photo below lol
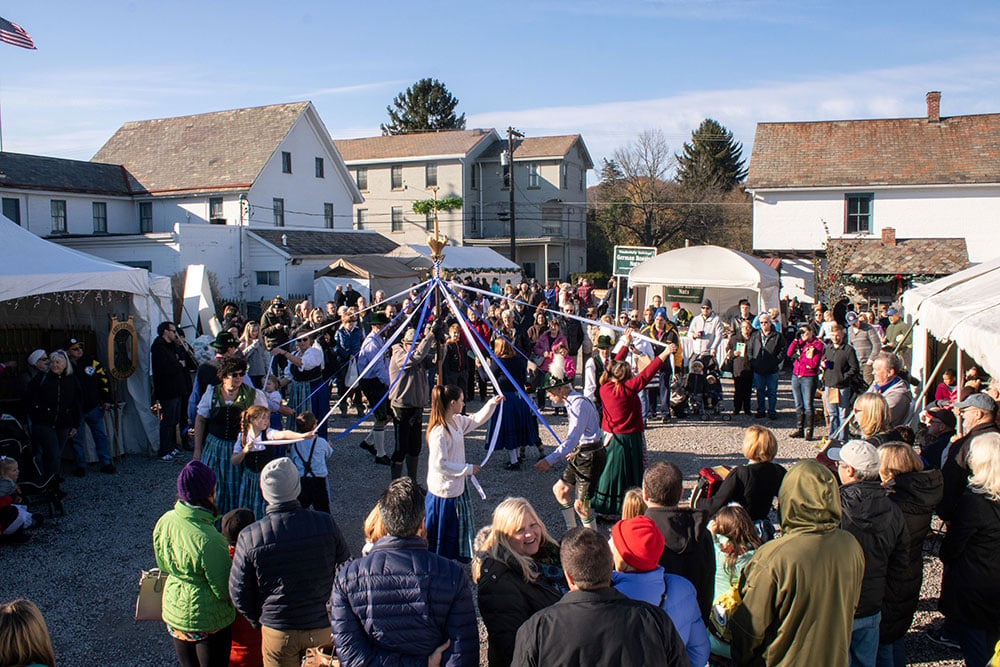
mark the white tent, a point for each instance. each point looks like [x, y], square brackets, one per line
[963, 307]
[36, 277]
[458, 259]
[724, 275]
[377, 272]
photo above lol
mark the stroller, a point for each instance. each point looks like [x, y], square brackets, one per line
[35, 489]
[704, 388]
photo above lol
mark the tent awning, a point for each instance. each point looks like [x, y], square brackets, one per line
[462, 258]
[371, 266]
[705, 266]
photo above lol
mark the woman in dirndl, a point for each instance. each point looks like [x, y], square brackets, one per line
[623, 425]
[449, 515]
[309, 391]
[217, 426]
[518, 426]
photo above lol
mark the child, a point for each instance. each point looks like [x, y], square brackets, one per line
[251, 451]
[633, 505]
[564, 366]
[449, 515]
[735, 539]
[14, 517]
[947, 390]
[246, 647]
[310, 460]
[374, 530]
[272, 389]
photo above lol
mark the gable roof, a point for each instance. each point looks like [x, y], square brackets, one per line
[535, 148]
[317, 242]
[456, 143]
[222, 150]
[920, 257]
[37, 172]
[859, 153]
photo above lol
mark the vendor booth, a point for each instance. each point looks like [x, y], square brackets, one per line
[690, 275]
[46, 289]
[370, 272]
[460, 261]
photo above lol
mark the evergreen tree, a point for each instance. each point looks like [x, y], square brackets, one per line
[713, 159]
[425, 106]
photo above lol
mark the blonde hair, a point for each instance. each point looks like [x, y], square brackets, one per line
[633, 505]
[872, 414]
[759, 444]
[251, 413]
[374, 528]
[984, 462]
[8, 464]
[507, 520]
[24, 639]
[897, 458]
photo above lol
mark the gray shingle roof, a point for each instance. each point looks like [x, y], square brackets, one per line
[37, 172]
[220, 150]
[533, 148]
[909, 257]
[445, 142]
[302, 243]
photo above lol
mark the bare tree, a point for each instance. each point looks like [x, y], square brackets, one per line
[646, 188]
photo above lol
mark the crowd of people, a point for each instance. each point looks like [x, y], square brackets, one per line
[260, 571]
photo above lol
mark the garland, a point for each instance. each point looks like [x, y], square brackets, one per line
[426, 206]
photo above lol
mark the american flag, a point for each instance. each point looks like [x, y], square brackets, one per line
[12, 33]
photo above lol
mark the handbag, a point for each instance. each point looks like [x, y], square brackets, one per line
[320, 656]
[351, 376]
[149, 604]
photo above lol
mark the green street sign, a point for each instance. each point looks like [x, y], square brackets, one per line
[684, 294]
[627, 257]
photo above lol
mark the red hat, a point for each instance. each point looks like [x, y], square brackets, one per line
[639, 542]
[675, 304]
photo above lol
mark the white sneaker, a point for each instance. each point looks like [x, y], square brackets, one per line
[175, 453]
[167, 457]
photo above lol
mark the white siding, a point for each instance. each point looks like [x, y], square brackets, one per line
[36, 212]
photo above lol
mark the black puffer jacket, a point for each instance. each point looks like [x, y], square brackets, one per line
[970, 587]
[506, 601]
[878, 525]
[766, 352]
[284, 565]
[689, 550]
[916, 494]
[55, 400]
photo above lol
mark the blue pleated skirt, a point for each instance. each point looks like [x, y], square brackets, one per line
[450, 525]
[217, 455]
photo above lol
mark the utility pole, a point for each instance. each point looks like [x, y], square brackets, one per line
[511, 133]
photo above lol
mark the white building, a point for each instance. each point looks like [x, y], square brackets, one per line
[925, 178]
[550, 178]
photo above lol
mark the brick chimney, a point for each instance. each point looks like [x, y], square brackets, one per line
[889, 236]
[934, 106]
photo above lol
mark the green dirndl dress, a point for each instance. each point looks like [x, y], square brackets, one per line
[622, 471]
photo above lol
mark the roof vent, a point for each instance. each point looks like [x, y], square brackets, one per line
[889, 236]
[284, 240]
[934, 107]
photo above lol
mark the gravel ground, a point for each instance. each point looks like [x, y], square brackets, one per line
[82, 569]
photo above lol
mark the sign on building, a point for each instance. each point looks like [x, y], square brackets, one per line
[628, 257]
[684, 294]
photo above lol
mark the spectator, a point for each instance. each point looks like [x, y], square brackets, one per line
[898, 335]
[408, 398]
[978, 414]
[871, 412]
[689, 551]
[934, 433]
[374, 370]
[94, 400]
[755, 485]
[705, 332]
[169, 386]
[806, 353]
[947, 389]
[517, 572]
[866, 343]
[401, 603]
[735, 540]
[840, 365]
[742, 371]
[618, 631]
[970, 587]
[282, 568]
[892, 387]
[665, 335]
[543, 353]
[744, 314]
[810, 578]
[878, 525]
[196, 606]
[252, 348]
[54, 405]
[246, 646]
[349, 338]
[916, 492]
[681, 317]
[636, 547]
[24, 639]
[275, 327]
[766, 350]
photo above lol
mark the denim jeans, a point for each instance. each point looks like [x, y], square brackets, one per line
[766, 385]
[864, 640]
[95, 420]
[665, 377]
[840, 415]
[892, 655]
[804, 393]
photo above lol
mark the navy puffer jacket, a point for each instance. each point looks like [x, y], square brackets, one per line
[399, 603]
[284, 565]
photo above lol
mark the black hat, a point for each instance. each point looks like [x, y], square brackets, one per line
[552, 381]
[224, 341]
[71, 343]
[277, 301]
[378, 319]
[604, 343]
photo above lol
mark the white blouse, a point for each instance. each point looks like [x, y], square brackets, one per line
[446, 466]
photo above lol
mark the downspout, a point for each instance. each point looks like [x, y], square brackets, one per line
[244, 209]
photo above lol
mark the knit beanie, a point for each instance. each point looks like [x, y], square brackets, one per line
[35, 356]
[639, 542]
[279, 481]
[196, 482]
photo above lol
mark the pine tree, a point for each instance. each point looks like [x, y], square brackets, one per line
[713, 159]
[425, 106]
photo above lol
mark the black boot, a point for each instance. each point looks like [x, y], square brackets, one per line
[397, 469]
[798, 432]
[411, 466]
[809, 426]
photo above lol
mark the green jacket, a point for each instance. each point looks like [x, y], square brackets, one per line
[800, 590]
[899, 330]
[196, 556]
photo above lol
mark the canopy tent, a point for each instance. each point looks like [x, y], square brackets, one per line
[458, 259]
[963, 307]
[376, 271]
[35, 277]
[725, 276]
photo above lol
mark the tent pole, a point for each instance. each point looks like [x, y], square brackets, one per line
[960, 383]
[930, 378]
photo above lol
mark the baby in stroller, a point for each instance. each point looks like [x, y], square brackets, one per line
[704, 387]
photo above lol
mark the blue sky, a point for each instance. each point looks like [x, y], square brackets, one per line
[607, 69]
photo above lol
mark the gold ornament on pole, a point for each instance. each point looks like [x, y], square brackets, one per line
[438, 241]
